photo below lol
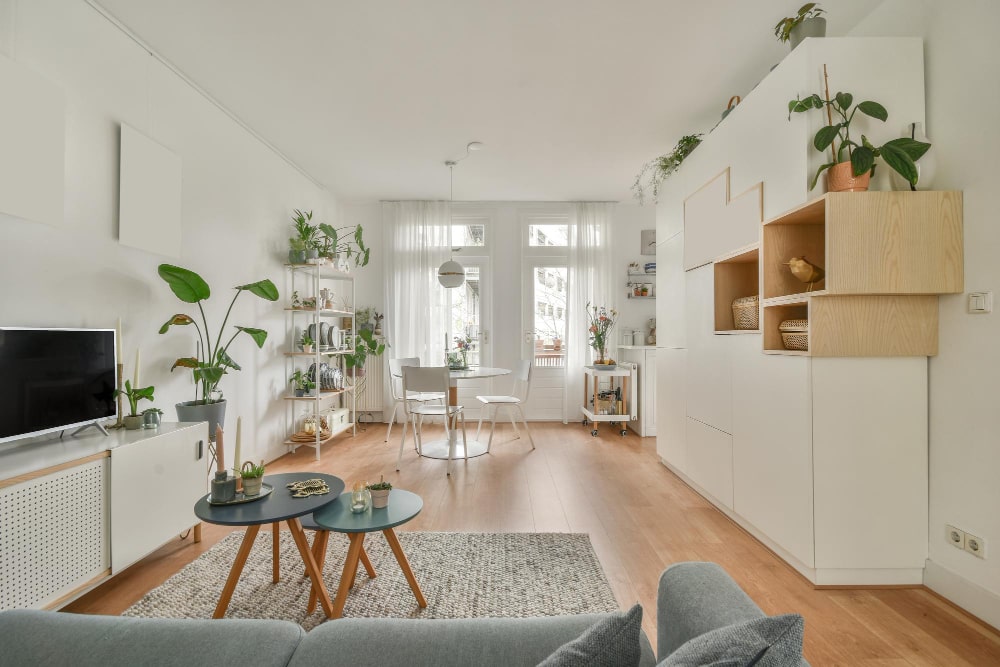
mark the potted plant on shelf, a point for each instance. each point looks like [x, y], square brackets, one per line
[341, 248]
[364, 345]
[662, 167]
[363, 316]
[252, 476]
[302, 382]
[378, 317]
[602, 321]
[380, 493]
[133, 421]
[807, 22]
[306, 235]
[212, 360]
[306, 342]
[853, 164]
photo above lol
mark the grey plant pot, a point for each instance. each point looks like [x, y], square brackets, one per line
[299, 393]
[296, 256]
[312, 253]
[814, 27]
[213, 413]
[132, 422]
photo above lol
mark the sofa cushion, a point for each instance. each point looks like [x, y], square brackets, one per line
[611, 642]
[31, 637]
[772, 641]
[484, 642]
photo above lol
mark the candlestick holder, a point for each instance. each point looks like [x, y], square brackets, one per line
[120, 423]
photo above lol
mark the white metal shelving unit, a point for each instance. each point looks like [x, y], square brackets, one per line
[314, 276]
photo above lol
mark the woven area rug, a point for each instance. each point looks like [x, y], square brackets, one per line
[462, 575]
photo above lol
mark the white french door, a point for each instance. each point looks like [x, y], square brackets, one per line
[469, 308]
[544, 292]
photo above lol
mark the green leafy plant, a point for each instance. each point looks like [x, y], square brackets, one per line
[334, 241]
[156, 410]
[783, 30]
[364, 345]
[900, 154]
[363, 316]
[658, 169]
[306, 234]
[380, 485]
[302, 381]
[134, 395]
[251, 470]
[306, 339]
[212, 360]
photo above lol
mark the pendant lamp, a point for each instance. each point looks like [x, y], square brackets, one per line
[451, 274]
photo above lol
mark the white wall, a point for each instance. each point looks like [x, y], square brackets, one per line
[237, 198]
[961, 62]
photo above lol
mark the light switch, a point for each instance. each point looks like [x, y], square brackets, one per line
[980, 303]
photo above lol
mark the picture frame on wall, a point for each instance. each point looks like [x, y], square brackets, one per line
[648, 242]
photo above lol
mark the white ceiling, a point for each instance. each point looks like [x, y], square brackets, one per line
[569, 96]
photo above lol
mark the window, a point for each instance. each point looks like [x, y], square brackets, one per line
[548, 235]
[468, 235]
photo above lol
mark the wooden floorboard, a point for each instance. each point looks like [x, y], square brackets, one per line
[640, 517]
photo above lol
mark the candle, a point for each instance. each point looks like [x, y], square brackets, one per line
[135, 378]
[220, 452]
[118, 341]
[236, 450]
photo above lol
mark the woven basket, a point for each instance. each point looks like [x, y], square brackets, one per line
[746, 312]
[795, 334]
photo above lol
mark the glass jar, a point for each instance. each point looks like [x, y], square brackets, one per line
[361, 498]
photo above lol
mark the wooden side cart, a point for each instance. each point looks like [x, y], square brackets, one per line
[615, 402]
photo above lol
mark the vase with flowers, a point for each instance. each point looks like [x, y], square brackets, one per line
[463, 344]
[602, 321]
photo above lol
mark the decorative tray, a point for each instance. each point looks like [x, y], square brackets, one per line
[604, 367]
[265, 491]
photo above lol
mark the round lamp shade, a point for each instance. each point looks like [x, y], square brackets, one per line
[451, 274]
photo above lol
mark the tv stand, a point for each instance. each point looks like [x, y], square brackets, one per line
[98, 425]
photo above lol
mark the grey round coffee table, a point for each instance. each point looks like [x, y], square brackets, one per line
[337, 517]
[275, 508]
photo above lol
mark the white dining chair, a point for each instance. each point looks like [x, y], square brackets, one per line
[396, 387]
[522, 385]
[426, 380]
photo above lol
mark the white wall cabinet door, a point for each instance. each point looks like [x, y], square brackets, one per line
[710, 460]
[671, 406]
[648, 415]
[709, 377]
[154, 486]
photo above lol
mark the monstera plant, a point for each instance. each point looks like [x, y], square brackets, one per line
[212, 360]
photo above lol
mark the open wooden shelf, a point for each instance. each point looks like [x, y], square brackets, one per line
[323, 312]
[736, 275]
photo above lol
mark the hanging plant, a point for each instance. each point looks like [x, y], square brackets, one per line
[657, 170]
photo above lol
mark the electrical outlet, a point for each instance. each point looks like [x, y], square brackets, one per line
[954, 536]
[975, 545]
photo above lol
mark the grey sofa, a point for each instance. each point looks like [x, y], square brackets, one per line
[693, 598]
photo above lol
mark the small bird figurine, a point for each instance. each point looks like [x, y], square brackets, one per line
[805, 271]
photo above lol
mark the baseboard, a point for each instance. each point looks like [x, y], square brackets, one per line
[972, 598]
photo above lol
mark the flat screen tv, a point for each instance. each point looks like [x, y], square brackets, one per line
[55, 379]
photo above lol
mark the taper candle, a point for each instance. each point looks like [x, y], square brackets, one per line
[220, 451]
[135, 377]
[236, 450]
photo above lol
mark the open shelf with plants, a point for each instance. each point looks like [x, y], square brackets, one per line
[641, 285]
[737, 275]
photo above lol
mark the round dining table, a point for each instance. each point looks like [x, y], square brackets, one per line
[438, 449]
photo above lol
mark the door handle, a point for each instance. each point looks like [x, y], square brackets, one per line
[200, 450]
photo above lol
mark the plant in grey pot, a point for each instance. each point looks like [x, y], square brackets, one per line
[306, 234]
[380, 493]
[807, 22]
[252, 476]
[151, 417]
[296, 251]
[133, 420]
[302, 383]
[212, 361]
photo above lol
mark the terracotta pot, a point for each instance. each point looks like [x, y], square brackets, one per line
[841, 178]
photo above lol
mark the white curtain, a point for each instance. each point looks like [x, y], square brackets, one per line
[416, 240]
[591, 279]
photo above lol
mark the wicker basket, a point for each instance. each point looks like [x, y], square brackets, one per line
[795, 334]
[746, 312]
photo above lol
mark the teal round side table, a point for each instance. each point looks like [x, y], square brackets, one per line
[337, 517]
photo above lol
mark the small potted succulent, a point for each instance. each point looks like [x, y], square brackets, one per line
[307, 343]
[380, 493]
[133, 421]
[302, 382]
[807, 22]
[252, 476]
[151, 417]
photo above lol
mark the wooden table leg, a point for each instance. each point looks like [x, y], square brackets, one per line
[354, 566]
[319, 554]
[314, 574]
[367, 563]
[404, 565]
[276, 552]
[236, 570]
[351, 564]
[197, 532]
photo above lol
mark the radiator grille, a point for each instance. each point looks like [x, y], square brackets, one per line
[53, 535]
[372, 386]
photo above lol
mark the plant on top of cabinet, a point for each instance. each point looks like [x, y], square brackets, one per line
[854, 163]
[133, 420]
[807, 22]
[662, 167]
[304, 245]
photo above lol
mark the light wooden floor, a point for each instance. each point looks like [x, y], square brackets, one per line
[640, 517]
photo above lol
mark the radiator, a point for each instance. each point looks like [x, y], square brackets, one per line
[372, 386]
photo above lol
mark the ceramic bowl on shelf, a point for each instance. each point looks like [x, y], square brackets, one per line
[650, 267]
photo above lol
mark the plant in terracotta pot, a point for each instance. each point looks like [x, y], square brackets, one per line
[364, 345]
[252, 476]
[380, 493]
[212, 360]
[134, 419]
[853, 164]
[807, 22]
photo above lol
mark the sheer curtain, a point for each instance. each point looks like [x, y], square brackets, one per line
[416, 240]
[591, 278]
